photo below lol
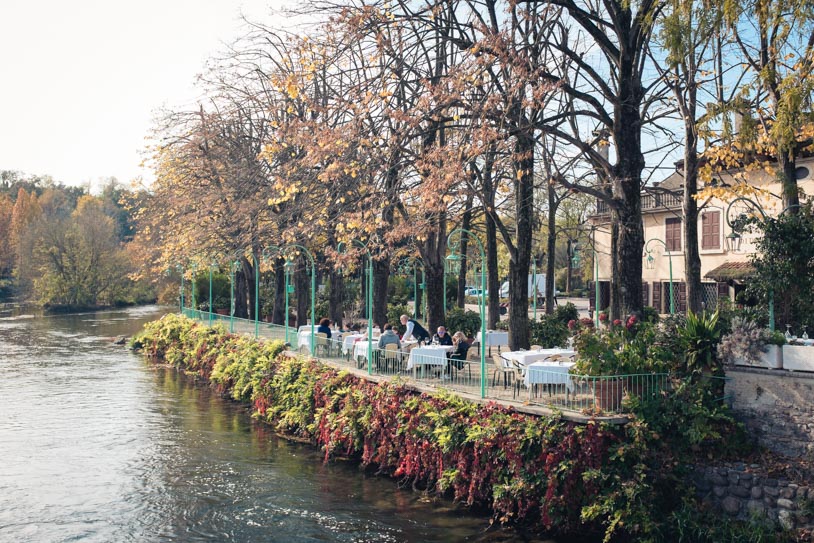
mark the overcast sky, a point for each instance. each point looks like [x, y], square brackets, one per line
[81, 79]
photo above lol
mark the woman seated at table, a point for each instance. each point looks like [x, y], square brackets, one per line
[441, 337]
[324, 327]
[458, 353]
[388, 336]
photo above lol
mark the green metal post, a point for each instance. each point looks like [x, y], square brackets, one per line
[181, 269]
[445, 289]
[286, 304]
[210, 293]
[256, 265]
[423, 293]
[232, 297]
[194, 284]
[482, 301]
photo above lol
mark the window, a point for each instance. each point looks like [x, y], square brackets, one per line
[711, 230]
[672, 234]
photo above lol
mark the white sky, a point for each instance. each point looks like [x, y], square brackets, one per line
[80, 79]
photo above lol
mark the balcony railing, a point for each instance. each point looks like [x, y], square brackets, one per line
[650, 202]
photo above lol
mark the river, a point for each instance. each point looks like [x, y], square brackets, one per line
[98, 445]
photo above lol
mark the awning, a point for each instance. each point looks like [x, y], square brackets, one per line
[731, 270]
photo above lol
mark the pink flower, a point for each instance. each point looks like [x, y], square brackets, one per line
[572, 324]
[603, 317]
[617, 322]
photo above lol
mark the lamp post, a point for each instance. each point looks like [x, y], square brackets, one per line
[232, 268]
[734, 239]
[194, 284]
[212, 263]
[534, 282]
[256, 265]
[455, 258]
[650, 264]
[341, 248]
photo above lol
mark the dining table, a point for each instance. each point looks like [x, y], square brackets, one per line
[496, 338]
[428, 355]
[544, 366]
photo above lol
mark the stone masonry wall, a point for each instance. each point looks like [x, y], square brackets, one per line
[742, 491]
[777, 407]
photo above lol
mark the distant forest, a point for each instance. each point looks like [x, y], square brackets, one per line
[62, 247]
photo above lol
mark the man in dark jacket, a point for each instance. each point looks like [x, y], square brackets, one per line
[414, 330]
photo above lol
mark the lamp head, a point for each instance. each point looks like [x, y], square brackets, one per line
[454, 262]
[733, 242]
[650, 262]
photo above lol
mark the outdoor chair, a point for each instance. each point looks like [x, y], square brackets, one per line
[392, 356]
[322, 344]
[504, 367]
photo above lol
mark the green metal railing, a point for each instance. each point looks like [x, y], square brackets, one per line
[548, 388]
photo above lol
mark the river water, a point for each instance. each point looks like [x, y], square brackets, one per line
[98, 445]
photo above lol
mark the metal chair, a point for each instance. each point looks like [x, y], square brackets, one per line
[322, 343]
[504, 367]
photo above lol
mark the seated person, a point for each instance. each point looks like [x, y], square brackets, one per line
[388, 336]
[441, 337]
[458, 354]
[324, 327]
[414, 330]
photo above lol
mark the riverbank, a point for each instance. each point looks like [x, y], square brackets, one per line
[625, 483]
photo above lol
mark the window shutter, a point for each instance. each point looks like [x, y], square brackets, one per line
[645, 293]
[657, 296]
[680, 290]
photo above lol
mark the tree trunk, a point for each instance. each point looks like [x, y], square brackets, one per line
[466, 224]
[336, 296]
[519, 269]
[627, 191]
[551, 248]
[433, 253]
[381, 275]
[692, 257]
[787, 170]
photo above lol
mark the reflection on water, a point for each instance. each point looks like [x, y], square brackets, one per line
[96, 445]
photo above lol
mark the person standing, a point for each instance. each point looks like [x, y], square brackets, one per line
[414, 330]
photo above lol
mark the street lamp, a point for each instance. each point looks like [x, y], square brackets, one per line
[277, 251]
[232, 269]
[341, 248]
[650, 264]
[194, 284]
[212, 263]
[455, 259]
[411, 263]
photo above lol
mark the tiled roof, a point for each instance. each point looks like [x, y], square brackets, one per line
[731, 270]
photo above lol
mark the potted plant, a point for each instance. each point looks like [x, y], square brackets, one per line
[747, 344]
[599, 362]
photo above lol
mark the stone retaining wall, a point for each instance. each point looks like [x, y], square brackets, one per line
[742, 490]
[777, 407]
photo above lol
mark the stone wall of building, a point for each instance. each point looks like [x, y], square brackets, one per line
[777, 407]
[742, 490]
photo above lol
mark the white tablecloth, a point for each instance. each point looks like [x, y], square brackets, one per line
[348, 340]
[548, 373]
[429, 355]
[494, 337]
[524, 358]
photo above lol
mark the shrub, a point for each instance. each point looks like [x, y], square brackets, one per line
[467, 322]
[567, 312]
[549, 331]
